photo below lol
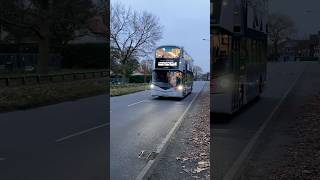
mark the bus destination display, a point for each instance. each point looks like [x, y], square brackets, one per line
[167, 63]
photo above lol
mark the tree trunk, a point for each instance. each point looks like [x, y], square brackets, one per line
[43, 56]
[124, 75]
[145, 74]
[44, 48]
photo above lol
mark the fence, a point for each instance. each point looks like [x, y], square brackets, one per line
[13, 61]
[52, 78]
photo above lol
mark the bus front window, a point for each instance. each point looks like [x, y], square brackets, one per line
[179, 78]
[172, 79]
[166, 78]
[168, 52]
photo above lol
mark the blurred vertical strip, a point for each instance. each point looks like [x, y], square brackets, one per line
[107, 23]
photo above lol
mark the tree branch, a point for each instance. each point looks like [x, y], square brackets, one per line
[20, 25]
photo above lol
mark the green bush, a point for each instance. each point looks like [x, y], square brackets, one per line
[139, 79]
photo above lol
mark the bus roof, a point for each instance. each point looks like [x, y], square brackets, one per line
[170, 46]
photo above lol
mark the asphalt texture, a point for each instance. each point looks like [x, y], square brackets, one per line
[65, 141]
[140, 122]
[272, 150]
[181, 146]
[230, 137]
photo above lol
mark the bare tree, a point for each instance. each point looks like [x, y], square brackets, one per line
[146, 68]
[48, 21]
[197, 70]
[280, 28]
[102, 21]
[133, 34]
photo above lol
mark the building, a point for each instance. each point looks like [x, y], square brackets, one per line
[306, 49]
[295, 50]
[315, 45]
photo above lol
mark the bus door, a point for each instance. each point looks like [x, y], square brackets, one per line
[242, 73]
[221, 58]
[235, 61]
[222, 82]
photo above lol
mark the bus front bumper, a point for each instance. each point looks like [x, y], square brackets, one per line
[166, 93]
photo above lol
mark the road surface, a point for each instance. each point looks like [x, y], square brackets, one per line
[64, 141]
[140, 122]
[231, 138]
[279, 152]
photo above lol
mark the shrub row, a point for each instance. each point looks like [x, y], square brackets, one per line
[139, 79]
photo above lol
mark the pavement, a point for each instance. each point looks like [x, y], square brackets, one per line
[140, 122]
[188, 155]
[289, 146]
[230, 139]
[62, 141]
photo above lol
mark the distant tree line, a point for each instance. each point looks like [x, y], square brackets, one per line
[280, 28]
[51, 24]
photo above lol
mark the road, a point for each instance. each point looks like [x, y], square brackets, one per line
[140, 122]
[232, 137]
[276, 151]
[64, 141]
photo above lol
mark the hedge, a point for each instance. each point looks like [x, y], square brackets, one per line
[139, 79]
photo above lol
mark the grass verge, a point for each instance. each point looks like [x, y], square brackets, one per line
[23, 97]
[119, 90]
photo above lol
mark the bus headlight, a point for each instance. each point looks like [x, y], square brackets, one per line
[152, 86]
[180, 87]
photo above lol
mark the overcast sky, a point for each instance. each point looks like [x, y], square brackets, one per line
[306, 22]
[185, 23]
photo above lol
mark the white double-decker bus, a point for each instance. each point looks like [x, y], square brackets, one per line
[238, 53]
[172, 74]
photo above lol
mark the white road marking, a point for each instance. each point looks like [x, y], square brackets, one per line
[137, 103]
[81, 132]
[165, 141]
[231, 173]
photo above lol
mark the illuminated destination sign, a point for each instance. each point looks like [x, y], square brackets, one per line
[173, 64]
[167, 63]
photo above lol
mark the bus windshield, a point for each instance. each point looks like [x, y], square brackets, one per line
[168, 52]
[167, 78]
